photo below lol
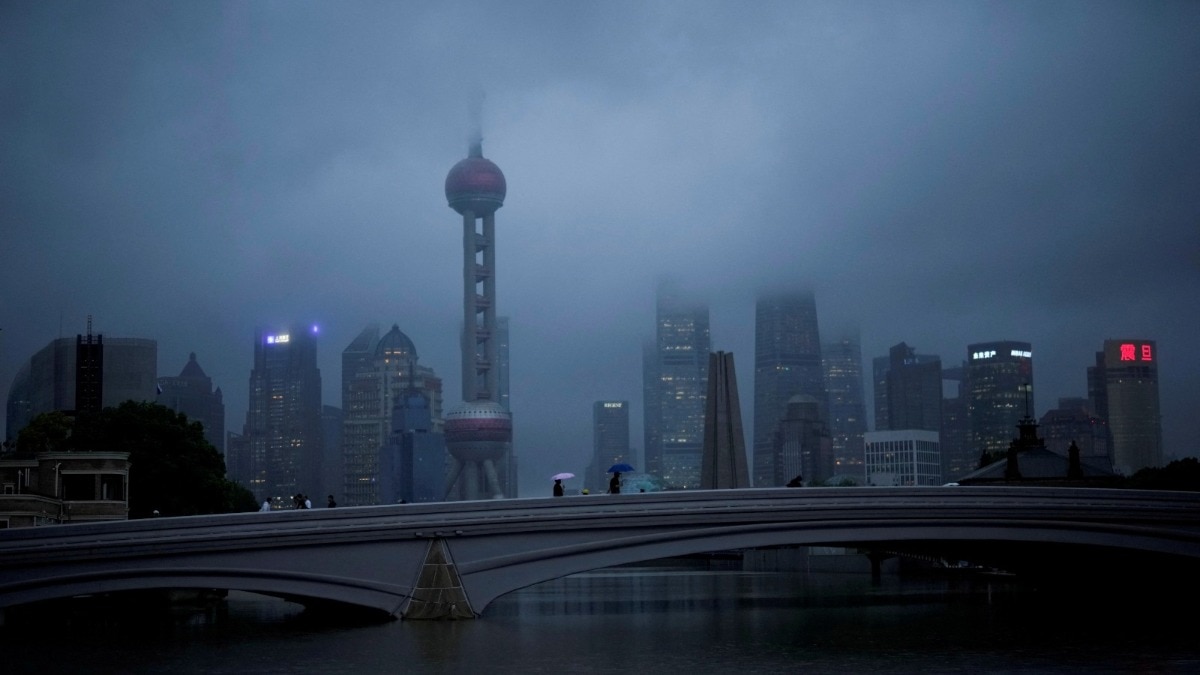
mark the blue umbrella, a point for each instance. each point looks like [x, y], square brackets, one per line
[620, 468]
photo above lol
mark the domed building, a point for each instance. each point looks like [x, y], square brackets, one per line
[379, 373]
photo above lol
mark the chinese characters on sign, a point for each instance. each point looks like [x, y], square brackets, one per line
[1130, 352]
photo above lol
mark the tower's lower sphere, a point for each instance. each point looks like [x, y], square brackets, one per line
[477, 431]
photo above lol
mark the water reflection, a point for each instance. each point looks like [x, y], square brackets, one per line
[641, 619]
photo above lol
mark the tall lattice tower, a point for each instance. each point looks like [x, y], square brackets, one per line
[479, 430]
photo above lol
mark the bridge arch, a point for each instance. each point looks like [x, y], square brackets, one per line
[455, 558]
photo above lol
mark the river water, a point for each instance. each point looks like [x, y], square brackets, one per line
[654, 619]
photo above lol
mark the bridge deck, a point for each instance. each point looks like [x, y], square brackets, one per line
[374, 556]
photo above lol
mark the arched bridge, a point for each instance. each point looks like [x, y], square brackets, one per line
[452, 559]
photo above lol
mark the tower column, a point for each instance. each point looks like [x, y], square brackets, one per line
[470, 309]
[491, 381]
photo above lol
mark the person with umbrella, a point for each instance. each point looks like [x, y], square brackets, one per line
[614, 484]
[558, 479]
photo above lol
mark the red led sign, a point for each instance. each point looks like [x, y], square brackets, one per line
[1129, 352]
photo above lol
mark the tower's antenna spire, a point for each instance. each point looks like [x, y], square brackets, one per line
[475, 119]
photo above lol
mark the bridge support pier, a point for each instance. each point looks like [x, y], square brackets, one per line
[438, 592]
[877, 559]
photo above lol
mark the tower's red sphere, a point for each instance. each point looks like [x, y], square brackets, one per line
[475, 184]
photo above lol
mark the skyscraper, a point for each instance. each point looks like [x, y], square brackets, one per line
[191, 393]
[282, 436]
[787, 362]
[378, 374]
[412, 463]
[676, 380]
[1130, 376]
[914, 390]
[610, 441]
[47, 382]
[479, 430]
[801, 444]
[959, 458]
[651, 410]
[842, 362]
[880, 366]
[89, 372]
[333, 469]
[509, 469]
[502, 363]
[1073, 422]
[999, 390]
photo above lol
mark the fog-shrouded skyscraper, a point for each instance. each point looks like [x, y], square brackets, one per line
[47, 382]
[787, 362]
[1130, 396]
[998, 379]
[610, 441]
[676, 382]
[914, 390]
[479, 430]
[192, 393]
[283, 436]
[842, 361]
[379, 373]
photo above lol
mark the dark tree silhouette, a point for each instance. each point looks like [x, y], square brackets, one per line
[1181, 474]
[48, 432]
[172, 468]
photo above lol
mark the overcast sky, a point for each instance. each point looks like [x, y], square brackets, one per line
[938, 172]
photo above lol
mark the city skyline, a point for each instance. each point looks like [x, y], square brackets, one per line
[942, 174]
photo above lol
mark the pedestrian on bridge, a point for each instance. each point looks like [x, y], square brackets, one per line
[614, 484]
[558, 488]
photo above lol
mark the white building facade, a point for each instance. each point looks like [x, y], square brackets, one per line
[903, 457]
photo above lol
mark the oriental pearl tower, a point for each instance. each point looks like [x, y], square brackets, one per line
[478, 431]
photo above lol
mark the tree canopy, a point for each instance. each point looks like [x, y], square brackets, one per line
[173, 469]
[1181, 474]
